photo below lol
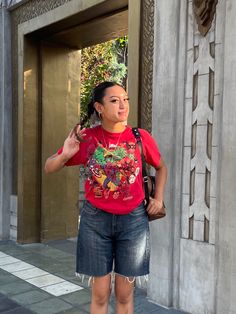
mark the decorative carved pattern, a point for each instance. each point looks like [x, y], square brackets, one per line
[198, 205]
[33, 8]
[146, 66]
[204, 11]
[9, 3]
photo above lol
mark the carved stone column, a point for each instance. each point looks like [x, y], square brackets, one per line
[199, 189]
[146, 64]
[5, 121]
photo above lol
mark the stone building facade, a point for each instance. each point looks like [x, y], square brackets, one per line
[185, 92]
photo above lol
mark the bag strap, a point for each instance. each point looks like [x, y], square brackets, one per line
[144, 170]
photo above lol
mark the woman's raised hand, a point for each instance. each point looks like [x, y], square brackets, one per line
[70, 148]
[72, 142]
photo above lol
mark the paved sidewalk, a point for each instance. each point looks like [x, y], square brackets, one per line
[39, 278]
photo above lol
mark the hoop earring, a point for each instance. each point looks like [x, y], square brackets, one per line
[100, 115]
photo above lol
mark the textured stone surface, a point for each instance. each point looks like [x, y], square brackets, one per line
[9, 3]
[5, 123]
[197, 276]
[166, 81]
[226, 290]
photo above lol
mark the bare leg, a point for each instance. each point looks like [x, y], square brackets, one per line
[124, 291]
[101, 290]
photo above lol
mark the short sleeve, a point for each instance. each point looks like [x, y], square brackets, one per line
[73, 161]
[150, 148]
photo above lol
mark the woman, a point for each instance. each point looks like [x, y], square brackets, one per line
[114, 230]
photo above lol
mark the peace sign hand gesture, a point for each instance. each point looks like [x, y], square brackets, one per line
[72, 142]
[70, 148]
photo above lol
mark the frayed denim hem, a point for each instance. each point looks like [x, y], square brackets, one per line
[90, 279]
[138, 280]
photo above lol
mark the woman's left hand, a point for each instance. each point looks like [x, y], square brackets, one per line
[154, 206]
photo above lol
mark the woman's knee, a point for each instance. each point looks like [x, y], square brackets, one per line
[124, 288]
[124, 299]
[101, 290]
[101, 299]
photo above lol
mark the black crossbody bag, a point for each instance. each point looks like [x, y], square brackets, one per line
[149, 182]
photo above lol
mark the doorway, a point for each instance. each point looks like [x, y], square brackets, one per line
[49, 107]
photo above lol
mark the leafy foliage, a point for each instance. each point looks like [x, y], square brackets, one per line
[103, 62]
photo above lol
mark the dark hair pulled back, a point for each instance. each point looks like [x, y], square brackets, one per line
[97, 96]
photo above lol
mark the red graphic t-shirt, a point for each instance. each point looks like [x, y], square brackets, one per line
[114, 182]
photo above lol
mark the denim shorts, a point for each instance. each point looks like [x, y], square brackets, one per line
[108, 242]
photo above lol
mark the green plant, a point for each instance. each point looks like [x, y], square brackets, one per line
[103, 62]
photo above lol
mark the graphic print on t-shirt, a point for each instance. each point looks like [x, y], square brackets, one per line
[112, 170]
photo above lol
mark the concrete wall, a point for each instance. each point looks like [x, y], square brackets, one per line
[165, 113]
[226, 275]
[193, 248]
[5, 123]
